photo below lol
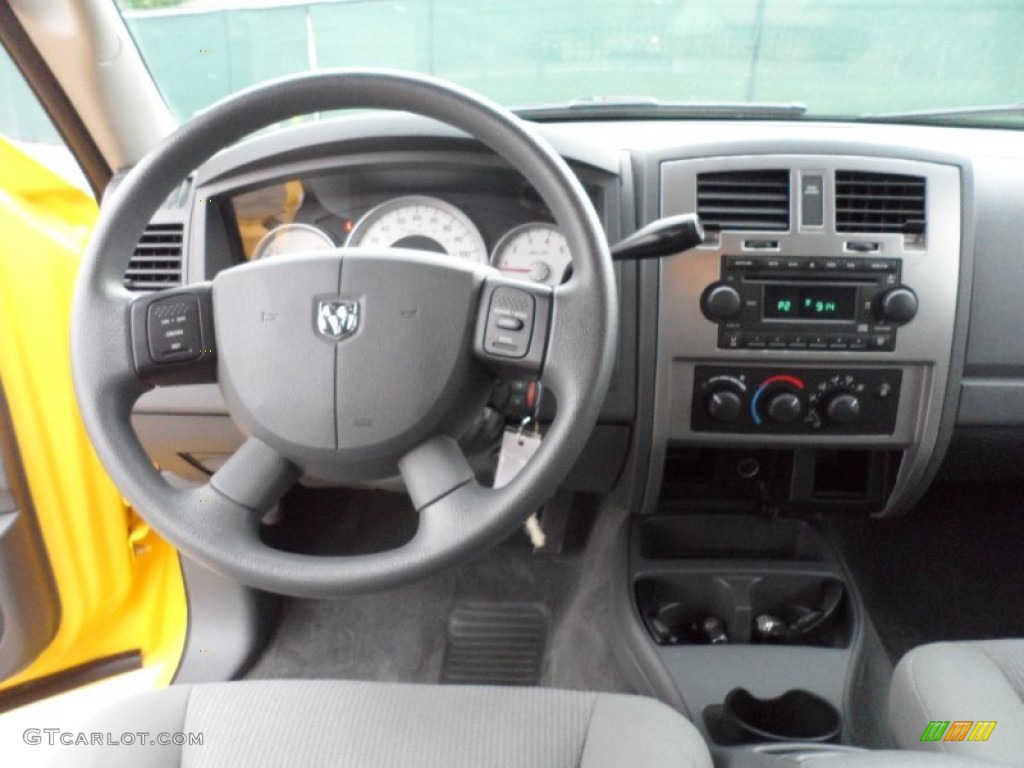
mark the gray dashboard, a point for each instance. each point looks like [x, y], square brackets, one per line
[961, 358]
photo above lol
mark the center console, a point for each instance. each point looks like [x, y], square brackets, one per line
[817, 317]
[804, 355]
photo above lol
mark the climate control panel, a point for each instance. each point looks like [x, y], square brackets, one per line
[795, 401]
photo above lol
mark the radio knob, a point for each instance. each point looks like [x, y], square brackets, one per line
[843, 408]
[784, 408]
[898, 305]
[720, 302]
[724, 405]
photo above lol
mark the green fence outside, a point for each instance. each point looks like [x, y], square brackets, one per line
[838, 57]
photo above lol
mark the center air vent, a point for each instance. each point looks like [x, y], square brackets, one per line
[879, 202]
[744, 200]
[156, 263]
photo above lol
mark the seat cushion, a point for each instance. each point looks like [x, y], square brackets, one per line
[314, 723]
[965, 681]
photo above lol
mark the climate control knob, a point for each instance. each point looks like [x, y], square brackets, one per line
[843, 408]
[784, 408]
[724, 405]
[720, 302]
[898, 305]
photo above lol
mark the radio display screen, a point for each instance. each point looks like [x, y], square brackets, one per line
[810, 302]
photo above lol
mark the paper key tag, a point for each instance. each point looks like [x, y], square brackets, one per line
[516, 449]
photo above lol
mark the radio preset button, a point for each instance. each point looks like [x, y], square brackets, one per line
[881, 342]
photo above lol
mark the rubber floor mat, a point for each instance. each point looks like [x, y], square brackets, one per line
[495, 644]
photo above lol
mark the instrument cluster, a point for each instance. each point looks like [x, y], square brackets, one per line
[294, 217]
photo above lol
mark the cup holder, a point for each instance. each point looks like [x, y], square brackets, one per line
[796, 715]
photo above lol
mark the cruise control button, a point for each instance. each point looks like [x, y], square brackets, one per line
[172, 327]
[509, 323]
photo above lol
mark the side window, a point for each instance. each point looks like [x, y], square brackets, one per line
[25, 124]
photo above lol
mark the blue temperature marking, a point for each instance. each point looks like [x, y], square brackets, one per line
[753, 406]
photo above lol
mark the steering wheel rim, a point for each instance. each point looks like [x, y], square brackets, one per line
[218, 523]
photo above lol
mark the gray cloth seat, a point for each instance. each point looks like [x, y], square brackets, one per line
[964, 681]
[313, 723]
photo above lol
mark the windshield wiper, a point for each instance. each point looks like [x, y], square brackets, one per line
[951, 114]
[630, 107]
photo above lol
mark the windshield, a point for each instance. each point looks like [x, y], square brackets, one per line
[840, 58]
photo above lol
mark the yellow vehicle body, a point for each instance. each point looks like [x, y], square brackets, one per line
[120, 586]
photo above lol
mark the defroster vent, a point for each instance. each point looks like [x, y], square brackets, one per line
[156, 263]
[744, 200]
[880, 202]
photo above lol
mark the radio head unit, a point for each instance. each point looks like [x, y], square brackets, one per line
[852, 304]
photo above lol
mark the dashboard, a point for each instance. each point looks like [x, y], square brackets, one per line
[851, 311]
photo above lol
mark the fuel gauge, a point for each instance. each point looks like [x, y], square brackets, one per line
[535, 251]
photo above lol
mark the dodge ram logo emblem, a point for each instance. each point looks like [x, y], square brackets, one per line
[337, 319]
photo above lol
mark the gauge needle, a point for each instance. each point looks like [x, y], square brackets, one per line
[516, 269]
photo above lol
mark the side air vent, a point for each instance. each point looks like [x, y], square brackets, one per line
[879, 202]
[744, 200]
[156, 263]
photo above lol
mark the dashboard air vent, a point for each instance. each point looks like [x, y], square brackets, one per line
[744, 200]
[156, 263]
[879, 202]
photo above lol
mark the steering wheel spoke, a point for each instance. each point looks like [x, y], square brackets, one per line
[433, 470]
[255, 477]
[172, 336]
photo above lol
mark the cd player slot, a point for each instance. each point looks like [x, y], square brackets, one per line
[766, 278]
[760, 245]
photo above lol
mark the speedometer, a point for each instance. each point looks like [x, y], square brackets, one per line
[534, 251]
[423, 223]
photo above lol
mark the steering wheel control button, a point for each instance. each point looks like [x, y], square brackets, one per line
[173, 329]
[510, 323]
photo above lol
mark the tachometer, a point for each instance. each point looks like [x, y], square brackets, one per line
[423, 223]
[292, 238]
[534, 251]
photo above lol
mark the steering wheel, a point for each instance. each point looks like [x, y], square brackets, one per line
[351, 364]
